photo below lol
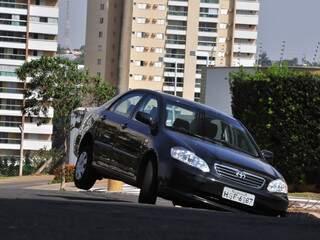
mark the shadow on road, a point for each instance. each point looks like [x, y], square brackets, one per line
[74, 219]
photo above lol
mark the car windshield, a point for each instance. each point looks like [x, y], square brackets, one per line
[212, 128]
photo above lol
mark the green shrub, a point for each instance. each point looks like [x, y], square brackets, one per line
[281, 108]
[9, 166]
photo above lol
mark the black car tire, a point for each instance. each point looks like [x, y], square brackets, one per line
[84, 174]
[148, 192]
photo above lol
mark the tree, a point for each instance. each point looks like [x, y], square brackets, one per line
[99, 92]
[80, 59]
[264, 60]
[56, 83]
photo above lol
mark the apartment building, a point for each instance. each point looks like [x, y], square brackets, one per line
[28, 30]
[164, 44]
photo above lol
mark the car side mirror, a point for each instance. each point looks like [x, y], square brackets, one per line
[146, 119]
[267, 155]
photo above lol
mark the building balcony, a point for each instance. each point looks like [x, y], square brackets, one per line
[8, 129]
[44, 11]
[245, 34]
[177, 15]
[11, 62]
[176, 30]
[175, 44]
[208, 48]
[245, 48]
[16, 45]
[178, 3]
[173, 74]
[247, 5]
[44, 28]
[35, 129]
[36, 145]
[43, 45]
[9, 79]
[209, 5]
[6, 95]
[208, 19]
[10, 112]
[9, 144]
[237, 62]
[169, 87]
[247, 19]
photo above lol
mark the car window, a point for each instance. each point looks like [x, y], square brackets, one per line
[182, 119]
[217, 129]
[126, 105]
[150, 106]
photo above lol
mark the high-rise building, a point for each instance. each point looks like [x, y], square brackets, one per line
[28, 30]
[163, 44]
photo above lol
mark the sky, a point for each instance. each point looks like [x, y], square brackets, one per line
[293, 21]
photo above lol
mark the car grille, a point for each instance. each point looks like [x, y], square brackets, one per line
[238, 176]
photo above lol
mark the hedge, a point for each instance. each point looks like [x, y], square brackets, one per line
[281, 109]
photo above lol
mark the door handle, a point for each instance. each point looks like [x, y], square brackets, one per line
[124, 126]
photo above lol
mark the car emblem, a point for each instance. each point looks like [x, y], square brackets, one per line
[241, 175]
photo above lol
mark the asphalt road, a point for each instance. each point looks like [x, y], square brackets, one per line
[31, 214]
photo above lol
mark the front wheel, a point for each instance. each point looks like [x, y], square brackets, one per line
[148, 192]
[84, 175]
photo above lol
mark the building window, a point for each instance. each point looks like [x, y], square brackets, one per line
[139, 49]
[138, 77]
[141, 20]
[158, 50]
[159, 35]
[224, 11]
[222, 40]
[99, 74]
[101, 20]
[100, 34]
[160, 21]
[142, 5]
[158, 64]
[102, 6]
[162, 7]
[223, 25]
[157, 78]
[99, 61]
[141, 34]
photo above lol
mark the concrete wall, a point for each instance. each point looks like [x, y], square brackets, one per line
[216, 87]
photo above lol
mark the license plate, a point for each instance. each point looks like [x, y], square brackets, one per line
[238, 196]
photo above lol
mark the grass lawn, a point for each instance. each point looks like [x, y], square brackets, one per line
[306, 195]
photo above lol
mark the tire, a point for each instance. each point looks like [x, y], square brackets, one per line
[148, 192]
[84, 174]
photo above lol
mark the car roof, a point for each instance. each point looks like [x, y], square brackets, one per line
[192, 104]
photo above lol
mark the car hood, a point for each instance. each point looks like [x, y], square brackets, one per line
[216, 153]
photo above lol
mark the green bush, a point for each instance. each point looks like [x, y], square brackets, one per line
[281, 108]
[9, 166]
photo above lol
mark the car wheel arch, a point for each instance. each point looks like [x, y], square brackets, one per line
[148, 156]
[87, 140]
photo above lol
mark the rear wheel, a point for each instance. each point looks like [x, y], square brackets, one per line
[148, 192]
[84, 174]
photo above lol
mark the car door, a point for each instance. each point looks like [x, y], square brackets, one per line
[109, 127]
[133, 140]
[117, 118]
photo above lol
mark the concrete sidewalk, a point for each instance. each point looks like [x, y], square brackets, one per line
[34, 178]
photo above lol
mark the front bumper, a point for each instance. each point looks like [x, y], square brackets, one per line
[192, 187]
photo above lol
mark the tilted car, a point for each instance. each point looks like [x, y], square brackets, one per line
[179, 150]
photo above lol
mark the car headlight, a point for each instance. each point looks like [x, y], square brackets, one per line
[189, 158]
[278, 186]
